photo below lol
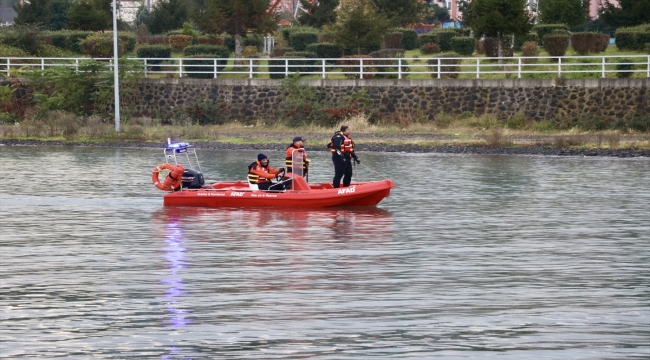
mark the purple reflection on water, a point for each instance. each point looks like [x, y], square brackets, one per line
[175, 254]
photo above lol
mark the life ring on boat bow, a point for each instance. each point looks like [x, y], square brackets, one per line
[172, 180]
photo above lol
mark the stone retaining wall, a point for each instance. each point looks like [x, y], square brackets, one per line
[538, 99]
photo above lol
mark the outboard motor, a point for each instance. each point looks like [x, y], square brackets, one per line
[192, 179]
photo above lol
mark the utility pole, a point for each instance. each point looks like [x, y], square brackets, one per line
[116, 69]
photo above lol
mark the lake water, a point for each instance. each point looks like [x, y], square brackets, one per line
[471, 256]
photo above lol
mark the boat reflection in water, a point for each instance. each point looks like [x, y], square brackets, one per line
[257, 263]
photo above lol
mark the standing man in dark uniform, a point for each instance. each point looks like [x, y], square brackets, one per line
[342, 148]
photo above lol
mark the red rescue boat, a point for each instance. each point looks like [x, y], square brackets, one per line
[193, 191]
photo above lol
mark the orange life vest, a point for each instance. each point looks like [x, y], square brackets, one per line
[288, 160]
[260, 174]
[347, 146]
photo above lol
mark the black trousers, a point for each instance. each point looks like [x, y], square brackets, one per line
[342, 169]
[271, 186]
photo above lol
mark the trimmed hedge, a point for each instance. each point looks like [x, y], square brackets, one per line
[556, 45]
[205, 51]
[429, 48]
[350, 64]
[303, 66]
[440, 37]
[410, 40]
[179, 42]
[491, 47]
[286, 31]
[463, 45]
[384, 66]
[300, 40]
[129, 40]
[529, 49]
[71, 40]
[633, 38]
[153, 40]
[101, 46]
[277, 67]
[326, 50]
[589, 42]
[211, 40]
[215, 51]
[547, 29]
[253, 40]
[280, 51]
[520, 40]
[446, 65]
[393, 40]
[154, 51]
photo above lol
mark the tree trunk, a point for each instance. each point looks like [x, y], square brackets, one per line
[237, 48]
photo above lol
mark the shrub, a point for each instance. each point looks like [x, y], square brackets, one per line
[154, 51]
[639, 123]
[443, 38]
[300, 40]
[229, 42]
[529, 49]
[326, 50]
[286, 32]
[101, 46]
[589, 42]
[491, 47]
[10, 51]
[429, 48]
[249, 51]
[463, 45]
[352, 65]
[129, 40]
[303, 66]
[647, 48]
[393, 40]
[277, 68]
[624, 68]
[446, 66]
[26, 38]
[253, 40]
[547, 29]
[280, 51]
[215, 51]
[206, 66]
[633, 38]
[385, 66]
[153, 40]
[212, 40]
[556, 45]
[410, 39]
[74, 39]
[520, 40]
[179, 42]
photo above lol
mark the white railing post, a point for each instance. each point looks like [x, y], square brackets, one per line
[361, 68]
[145, 69]
[603, 75]
[438, 68]
[323, 68]
[76, 68]
[399, 69]
[250, 68]
[478, 68]
[519, 68]
[286, 67]
[648, 75]
[215, 68]
[42, 64]
[559, 67]
[8, 65]
[180, 68]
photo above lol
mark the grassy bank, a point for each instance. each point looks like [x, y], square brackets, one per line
[443, 131]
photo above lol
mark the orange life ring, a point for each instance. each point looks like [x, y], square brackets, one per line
[172, 180]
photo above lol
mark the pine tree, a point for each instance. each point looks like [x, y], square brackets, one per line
[235, 17]
[318, 13]
[628, 13]
[569, 12]
[88, 15]
[499, 18]
[401, 12]
[34, 12]
[167, 15]
[359, 25]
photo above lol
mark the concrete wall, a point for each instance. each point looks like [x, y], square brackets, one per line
[538, 99]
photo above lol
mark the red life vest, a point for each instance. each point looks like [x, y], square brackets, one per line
[288, 160]
[254, 178]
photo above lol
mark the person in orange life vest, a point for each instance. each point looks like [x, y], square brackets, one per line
[297, 145]
[342, 148]
[261, 173]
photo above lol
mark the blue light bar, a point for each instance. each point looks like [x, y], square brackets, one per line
[178, 146]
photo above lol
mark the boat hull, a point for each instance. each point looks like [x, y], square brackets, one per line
[238, 194]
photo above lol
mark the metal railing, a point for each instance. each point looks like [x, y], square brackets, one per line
[366, 68]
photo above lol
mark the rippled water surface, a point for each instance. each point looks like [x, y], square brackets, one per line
[471, 256]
